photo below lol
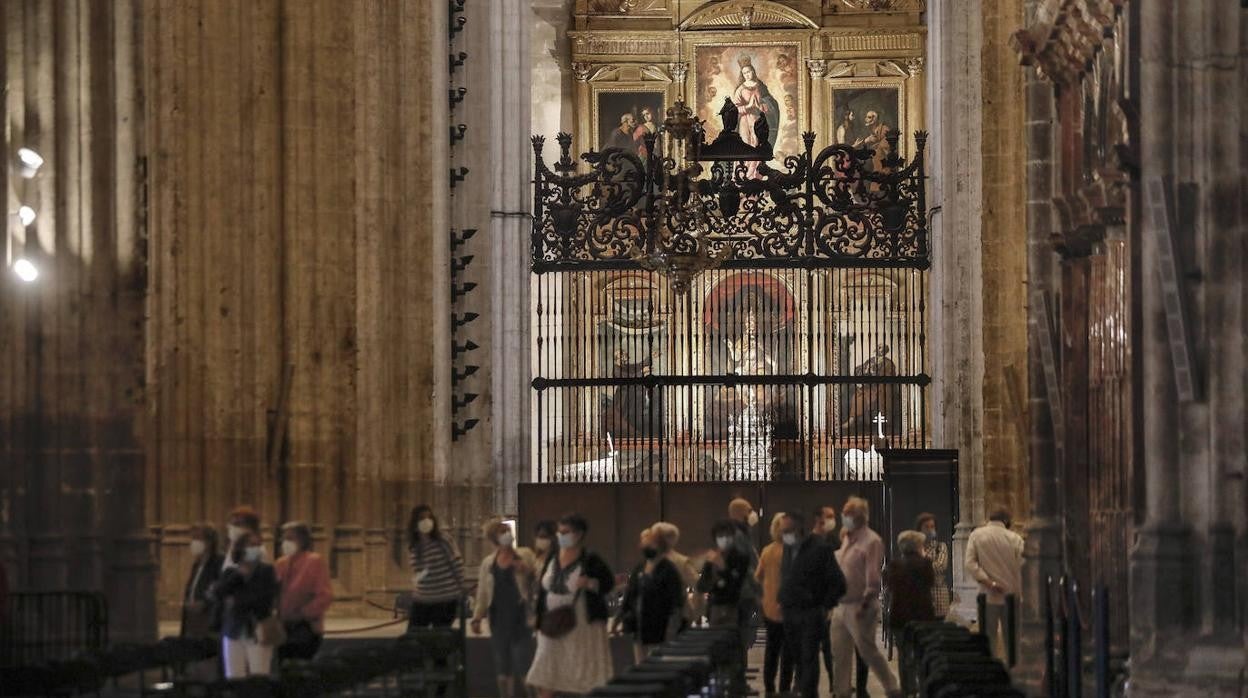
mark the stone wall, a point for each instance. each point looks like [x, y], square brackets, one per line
[244, 224]
[72, 385]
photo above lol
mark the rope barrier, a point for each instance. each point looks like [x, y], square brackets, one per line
[348, 631]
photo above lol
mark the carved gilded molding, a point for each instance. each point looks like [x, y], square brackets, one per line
[866, 41]
[614, 43]
[629, 8]
[747, 14]
[850, 6]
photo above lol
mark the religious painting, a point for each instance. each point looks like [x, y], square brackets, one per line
[763, 81]
[631, 338]
[623, 118]
[863, 117]
[749, 324]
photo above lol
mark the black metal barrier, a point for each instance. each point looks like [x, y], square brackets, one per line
[941, 660]
[1063, 641]
[1009, 623]
[706, 662]
[54, 625]
[89, 672]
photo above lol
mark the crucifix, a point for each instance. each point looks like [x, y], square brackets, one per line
[879, 420]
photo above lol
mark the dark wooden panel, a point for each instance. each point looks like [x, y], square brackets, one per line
[696, 506]
[918, 481]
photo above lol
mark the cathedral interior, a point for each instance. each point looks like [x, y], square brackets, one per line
[332, 259]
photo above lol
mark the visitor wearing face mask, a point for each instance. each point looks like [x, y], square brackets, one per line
[688, 571]
[198, 612]
[573, 654]
[745, 518]
[437, 572]
[242, 521]
[770, 574]
[306, 593]
[825, 530]
[653, 604]
[811, 584]
[247, 592]
[544, 543]
[504, 592]
[937, 551]
[856, 618]
[724, 575]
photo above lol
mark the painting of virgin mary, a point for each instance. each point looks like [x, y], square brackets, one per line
[761, 83]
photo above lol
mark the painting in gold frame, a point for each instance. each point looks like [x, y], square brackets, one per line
[863, 115]
[763, 79]
[623, 116]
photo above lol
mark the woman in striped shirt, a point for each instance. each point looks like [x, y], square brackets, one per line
[438, 573]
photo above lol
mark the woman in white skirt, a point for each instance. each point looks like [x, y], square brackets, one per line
[573, 654]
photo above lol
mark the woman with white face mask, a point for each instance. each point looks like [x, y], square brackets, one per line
[724, 575]
[242, 520]
[306, 593]
[247, 592]
[437, 572]
[504, 592]
[198, 613]
[573, 654]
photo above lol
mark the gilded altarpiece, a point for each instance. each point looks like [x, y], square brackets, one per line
[643, 381]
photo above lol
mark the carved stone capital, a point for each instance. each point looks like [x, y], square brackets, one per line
[818, 67]
[914, 66]
[582, 69]
[678, 70]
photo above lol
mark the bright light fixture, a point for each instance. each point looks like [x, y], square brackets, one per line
[25, 270]
[31, 162]
[26, 214]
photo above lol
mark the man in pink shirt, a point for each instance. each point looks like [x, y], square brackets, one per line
[856, 618]
[306, 593]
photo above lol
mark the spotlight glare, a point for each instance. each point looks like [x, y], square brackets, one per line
[26, 214]
[25, 270]
[31, 162]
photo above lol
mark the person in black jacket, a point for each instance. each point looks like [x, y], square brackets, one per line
[247, 592]
[812, 585]
[724, 575]
[653, 605]
[572, 657]
[198, 612]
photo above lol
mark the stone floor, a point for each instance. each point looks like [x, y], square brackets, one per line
[342, 630]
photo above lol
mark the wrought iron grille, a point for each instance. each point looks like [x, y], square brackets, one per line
[794, 360]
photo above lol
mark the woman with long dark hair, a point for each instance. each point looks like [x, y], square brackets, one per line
[437, 572]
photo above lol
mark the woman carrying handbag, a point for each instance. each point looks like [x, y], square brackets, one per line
[573, 653]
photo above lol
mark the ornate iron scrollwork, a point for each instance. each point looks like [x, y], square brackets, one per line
[840, 206]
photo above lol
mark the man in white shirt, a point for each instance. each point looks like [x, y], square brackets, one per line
[994, 557]
[855, 620]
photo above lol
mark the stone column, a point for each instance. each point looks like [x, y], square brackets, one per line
[1042, 556]
[955, 38]
[72, 342]
[510, 227]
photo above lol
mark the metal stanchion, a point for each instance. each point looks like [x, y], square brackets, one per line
[1100, 612]
[1050, 647]
[1074, 642]
[1011, 630]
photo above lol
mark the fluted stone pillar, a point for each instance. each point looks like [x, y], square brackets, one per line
[955, 38]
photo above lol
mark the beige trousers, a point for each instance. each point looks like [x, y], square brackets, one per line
[855, 628]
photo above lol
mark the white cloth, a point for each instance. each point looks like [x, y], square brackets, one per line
[576, 663]
[852, 630]
[994, 553]
[245, 657]
[579, 661]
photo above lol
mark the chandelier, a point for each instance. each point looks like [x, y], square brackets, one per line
[680, 215]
